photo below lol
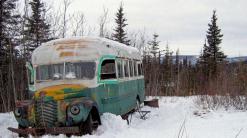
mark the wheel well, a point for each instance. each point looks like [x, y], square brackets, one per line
[95, 114]
[138, 98]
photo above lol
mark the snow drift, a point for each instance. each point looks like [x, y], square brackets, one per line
[176, 117]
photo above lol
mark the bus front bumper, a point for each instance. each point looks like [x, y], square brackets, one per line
[43, 131]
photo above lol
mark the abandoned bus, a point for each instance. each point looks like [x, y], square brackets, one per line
[74, 81]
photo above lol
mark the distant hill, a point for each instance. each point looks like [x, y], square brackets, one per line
[236, 59]
[193, 59]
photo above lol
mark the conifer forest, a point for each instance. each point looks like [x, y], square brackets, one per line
[210, 75]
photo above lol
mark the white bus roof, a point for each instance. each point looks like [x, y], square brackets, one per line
[79, 49]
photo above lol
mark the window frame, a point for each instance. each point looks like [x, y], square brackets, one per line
[135, 68]
[79, 64]
[51, 71]
[131, 68]
[119, 60]
[115, 68]
[140, 69]
[126, 62]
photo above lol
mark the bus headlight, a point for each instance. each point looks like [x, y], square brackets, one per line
[17, 112]
[75, 110]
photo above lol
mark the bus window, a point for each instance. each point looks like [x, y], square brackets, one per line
[140, 72]
[108, 70]
[135, 68]
[85, 70]
[131, 68]
[120, 69]
[126, 68]
[70, 71]
[57, 71]
[80, 70]
[43, 72]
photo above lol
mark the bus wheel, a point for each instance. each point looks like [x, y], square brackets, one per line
[89, 125]
[22, 135]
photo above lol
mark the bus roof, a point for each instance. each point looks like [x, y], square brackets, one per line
[82, 48]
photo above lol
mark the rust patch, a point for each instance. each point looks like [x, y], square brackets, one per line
[63, 47]
[42, 131]
[67, 54]
[23, 103]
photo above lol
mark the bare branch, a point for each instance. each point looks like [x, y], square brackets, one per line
[66, 4]
[79, 24]
[102, 23]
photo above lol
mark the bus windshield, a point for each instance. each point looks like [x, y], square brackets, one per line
[68, 70]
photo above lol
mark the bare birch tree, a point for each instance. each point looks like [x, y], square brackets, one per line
[66, 5]
[54, 18]
[103, 20]
[79, 24]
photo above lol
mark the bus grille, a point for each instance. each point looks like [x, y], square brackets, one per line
[45, 113]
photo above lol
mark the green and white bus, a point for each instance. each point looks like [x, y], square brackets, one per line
[74, 81]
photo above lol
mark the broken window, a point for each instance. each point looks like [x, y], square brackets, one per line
[108, 69]
[131, 68]
[135, 68]
[126, 68]
[140, 71]
[120, 69]
[80, 70]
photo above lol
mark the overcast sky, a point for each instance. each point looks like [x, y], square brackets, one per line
[183, 23]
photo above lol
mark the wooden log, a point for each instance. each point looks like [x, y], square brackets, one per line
[152, 103]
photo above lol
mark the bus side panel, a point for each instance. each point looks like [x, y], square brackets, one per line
[109, 98]
[141, 89]
[127, 95]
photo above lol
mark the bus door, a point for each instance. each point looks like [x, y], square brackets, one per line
[109, 85]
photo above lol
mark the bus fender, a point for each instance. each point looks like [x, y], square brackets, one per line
[79, 109]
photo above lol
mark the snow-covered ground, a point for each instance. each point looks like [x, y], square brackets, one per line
[177, 117]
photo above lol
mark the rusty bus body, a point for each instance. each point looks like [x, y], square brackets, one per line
[74, 81]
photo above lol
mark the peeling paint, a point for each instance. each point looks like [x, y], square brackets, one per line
[67, 54]
[69, 47]
[59, 92]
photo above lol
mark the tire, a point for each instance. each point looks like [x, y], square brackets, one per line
[89, 125]
[22, 135]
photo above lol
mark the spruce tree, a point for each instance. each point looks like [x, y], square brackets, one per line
[167, 67]
[212, 54]
[177, 62]
[8, 21]
[204, 59]
[120, 34]
[154, 45]
[37, 30]
[204, 56]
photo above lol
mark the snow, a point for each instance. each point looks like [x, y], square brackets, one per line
[70, 75]
[177, 117]
[81, 48]
[7, 120]
[57, 76]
